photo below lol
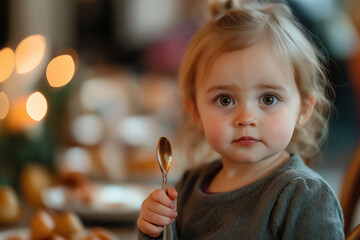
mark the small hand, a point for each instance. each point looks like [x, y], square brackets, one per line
[157, 210]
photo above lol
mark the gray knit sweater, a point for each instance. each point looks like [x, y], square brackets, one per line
[293, 202]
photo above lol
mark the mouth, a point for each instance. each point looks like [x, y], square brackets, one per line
[246, 141]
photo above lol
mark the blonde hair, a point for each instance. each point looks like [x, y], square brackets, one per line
[237, 25]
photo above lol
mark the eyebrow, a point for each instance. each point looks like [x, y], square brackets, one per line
[221, 87]
[271, 86]
[258, 86]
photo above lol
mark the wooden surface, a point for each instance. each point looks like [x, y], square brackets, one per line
[350, 191]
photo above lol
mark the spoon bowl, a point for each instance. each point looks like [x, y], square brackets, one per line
[164, 155]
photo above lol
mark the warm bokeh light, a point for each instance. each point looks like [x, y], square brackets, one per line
[18, 119]
[36, 106]
[7, 63]
[29, 53]
[60, 70]
[4, 105]
[72, 52]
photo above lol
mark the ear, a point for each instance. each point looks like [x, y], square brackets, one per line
[306, 110]
[193, 112]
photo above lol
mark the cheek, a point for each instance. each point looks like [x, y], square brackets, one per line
[214, 131]
[281, 129]
[211, 124]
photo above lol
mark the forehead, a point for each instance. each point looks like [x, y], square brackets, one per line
[255, 63]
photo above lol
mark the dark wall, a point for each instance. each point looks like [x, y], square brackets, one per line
[4, 22]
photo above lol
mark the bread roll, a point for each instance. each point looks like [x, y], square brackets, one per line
[9, 205]
[33, 180]
[54, 236]
[84, 236]
[42, 225]
[67, 224]
[14, 238]
[102, 234]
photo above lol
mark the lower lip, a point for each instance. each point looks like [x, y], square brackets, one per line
[247, 142]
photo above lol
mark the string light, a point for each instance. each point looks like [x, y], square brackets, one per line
[60, 70]
[4, 105]
[7, 63]
[29, 53]
[36, 106]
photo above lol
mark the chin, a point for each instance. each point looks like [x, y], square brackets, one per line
[250, 157]
[245, 158]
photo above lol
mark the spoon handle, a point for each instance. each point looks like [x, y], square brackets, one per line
[164, 182]
[167, 234]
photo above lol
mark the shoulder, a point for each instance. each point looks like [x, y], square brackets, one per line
[295, 174]
[308, 207]
[299, 181]
[306, 201]
[301, 186]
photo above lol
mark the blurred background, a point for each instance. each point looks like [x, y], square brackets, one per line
[88, 86]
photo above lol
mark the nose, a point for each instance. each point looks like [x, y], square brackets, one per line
[245, 116]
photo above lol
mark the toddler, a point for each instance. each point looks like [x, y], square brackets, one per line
[254, 85]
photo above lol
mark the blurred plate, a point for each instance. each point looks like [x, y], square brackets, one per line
[105, 202]
[20, 233]
[24, 234]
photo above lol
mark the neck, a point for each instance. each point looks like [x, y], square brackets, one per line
[262, 167]
[234, 176]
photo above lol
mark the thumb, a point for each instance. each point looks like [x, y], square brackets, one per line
[172, 193]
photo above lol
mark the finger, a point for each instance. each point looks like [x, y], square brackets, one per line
[158, 219]
[160, 209]
[161, 197]
[172, 193]
[149, 229]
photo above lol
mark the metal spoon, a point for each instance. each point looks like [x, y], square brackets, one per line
[164, 157]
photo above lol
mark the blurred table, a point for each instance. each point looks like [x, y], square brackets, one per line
[123, 230]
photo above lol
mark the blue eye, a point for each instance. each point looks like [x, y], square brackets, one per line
[224, 100]
[269, 99]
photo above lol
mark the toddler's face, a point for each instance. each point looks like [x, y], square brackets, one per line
[248, 105]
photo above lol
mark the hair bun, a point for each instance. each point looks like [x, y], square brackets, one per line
[219, 8]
